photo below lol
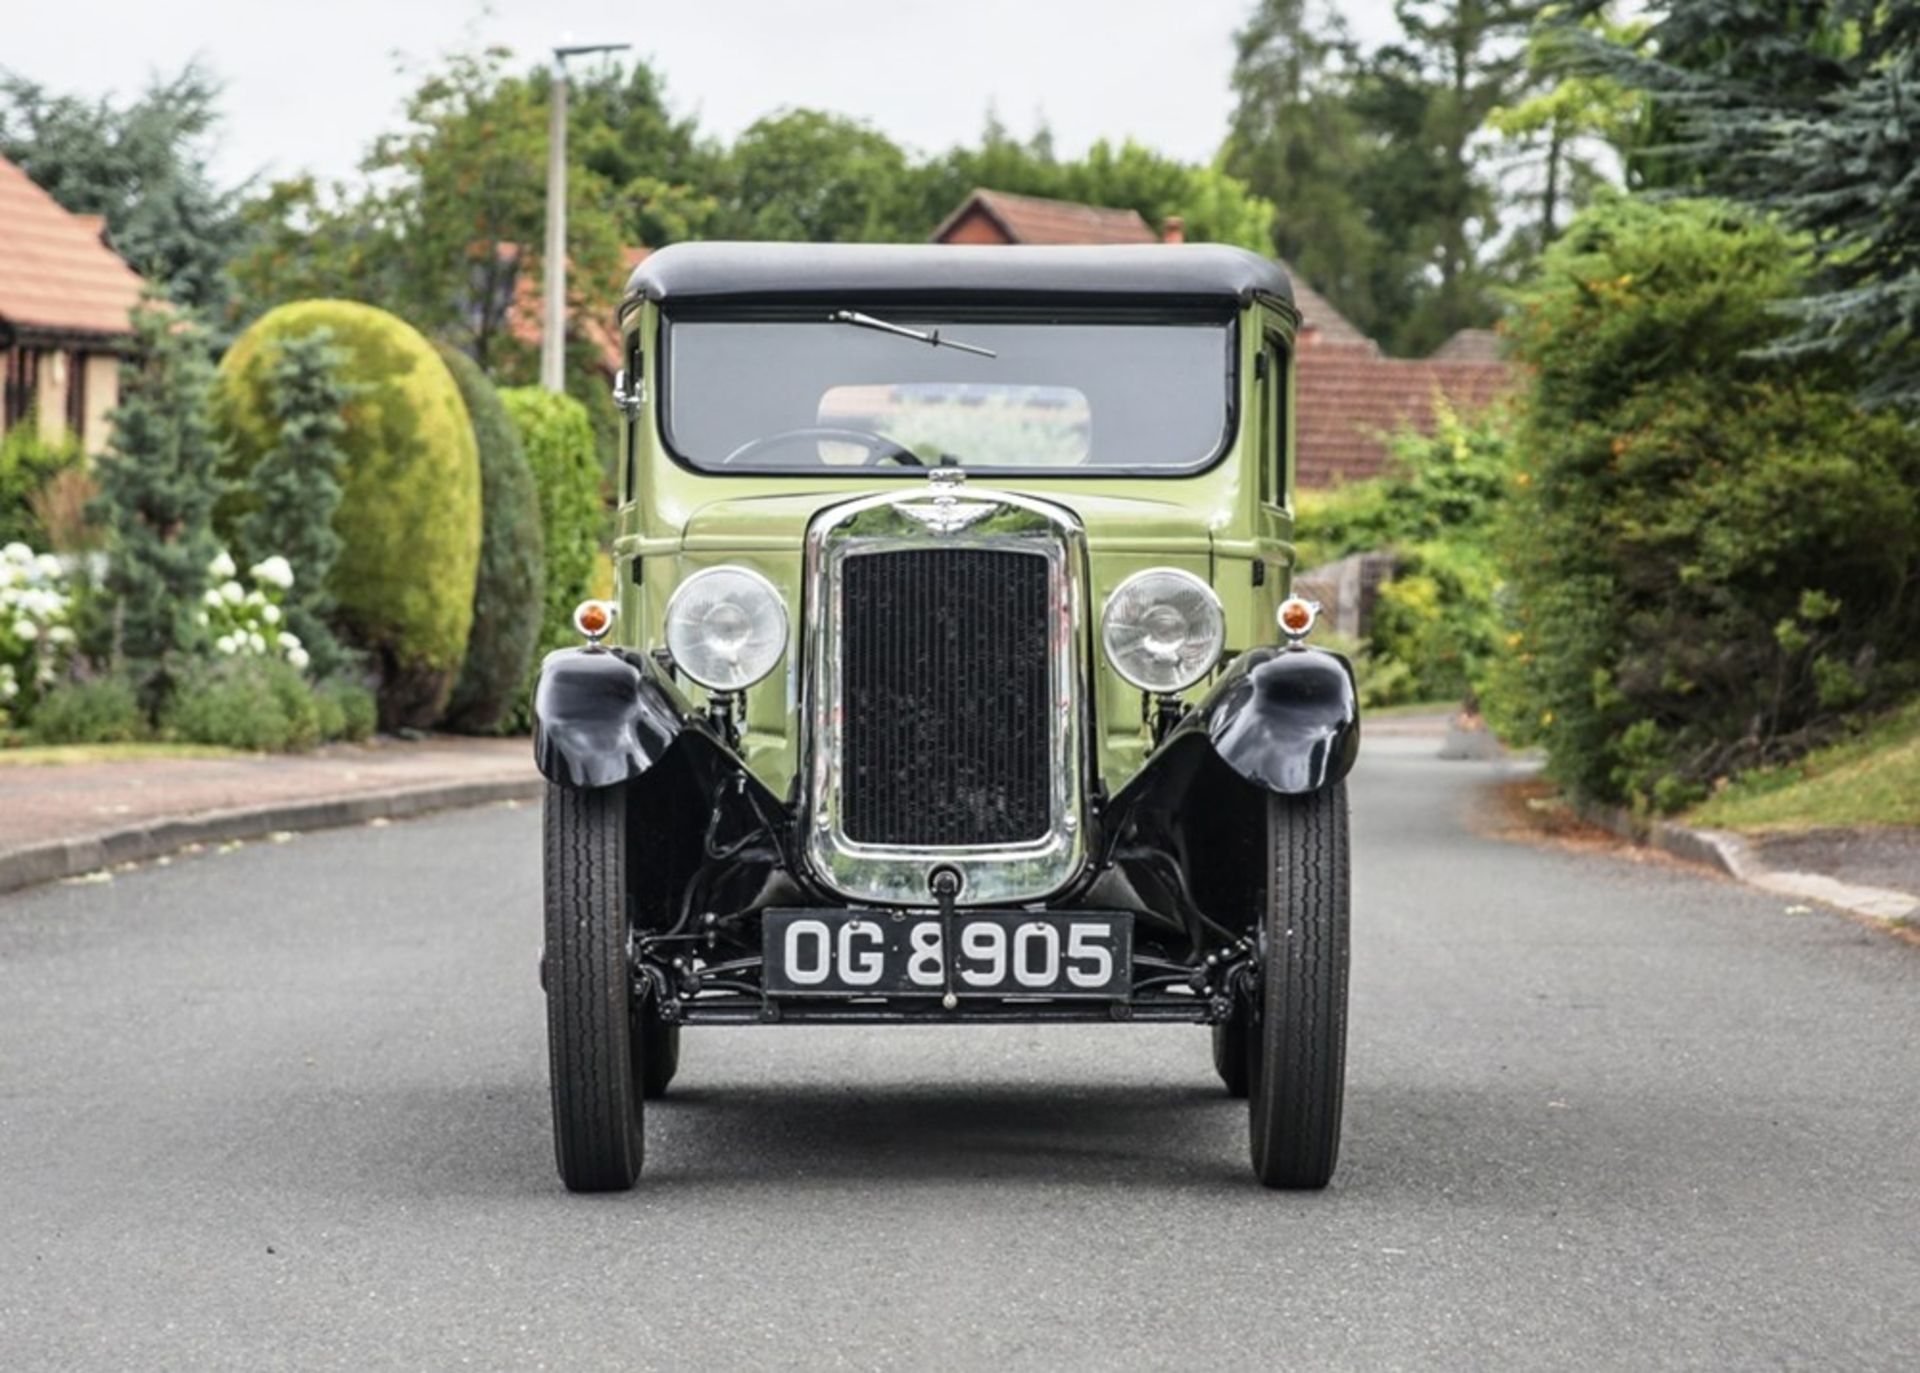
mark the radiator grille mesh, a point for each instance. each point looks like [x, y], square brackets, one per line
[944, 690]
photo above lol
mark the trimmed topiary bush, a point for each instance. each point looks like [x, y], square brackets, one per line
[557, 436]
[508, 595]
[409, 516]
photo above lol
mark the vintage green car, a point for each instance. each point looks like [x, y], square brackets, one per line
[953, 676]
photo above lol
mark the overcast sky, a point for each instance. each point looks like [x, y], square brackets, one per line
[310, 82]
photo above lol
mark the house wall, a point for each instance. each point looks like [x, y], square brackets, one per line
[42, 382]
[56, 373]
[103, 393]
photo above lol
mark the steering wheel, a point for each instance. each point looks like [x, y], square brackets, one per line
[879, 447]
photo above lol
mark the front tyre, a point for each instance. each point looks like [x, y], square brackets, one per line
[1297, 1029]
[593, 1056]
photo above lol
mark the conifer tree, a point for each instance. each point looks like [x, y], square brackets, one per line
[295, 487]
[158, 482]
[1808, 109]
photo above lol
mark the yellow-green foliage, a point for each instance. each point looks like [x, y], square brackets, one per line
[410, 509]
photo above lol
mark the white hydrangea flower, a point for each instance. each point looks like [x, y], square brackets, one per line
[298, 657]
[275, 571]
[256, 598]
[60, 634]
[288, 642]
[256, 643]
[47, 565]
[222, 567]
[8, 687]
[233, 592]
[212, 598]
[18, 554]
[26, 630]
[270, 613]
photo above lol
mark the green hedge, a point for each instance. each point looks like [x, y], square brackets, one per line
[1435, 625]
[1711, 552]
[557, 435]
[409, 516]
[509, 594]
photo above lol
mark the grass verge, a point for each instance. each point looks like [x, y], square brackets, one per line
[31, 755]
[1871, 779]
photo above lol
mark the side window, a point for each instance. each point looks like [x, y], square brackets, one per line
[1273, 422]
[636, 361]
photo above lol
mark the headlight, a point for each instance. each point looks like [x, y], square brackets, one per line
[726, 628]
[1163, 629]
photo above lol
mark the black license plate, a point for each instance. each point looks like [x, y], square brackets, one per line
[900, 953]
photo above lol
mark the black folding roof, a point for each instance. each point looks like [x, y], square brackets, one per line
[844, 272]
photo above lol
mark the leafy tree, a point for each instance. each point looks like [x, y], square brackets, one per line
[1560, 128]
[143, 166]
[810, 176]
[664, 175]
[1429, 98]
[1297, 141]
[448, 226]
[1711, 554]
[294, 489]
[159, 480]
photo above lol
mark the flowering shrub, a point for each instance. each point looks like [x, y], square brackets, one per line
[249, 622]
[36, 633]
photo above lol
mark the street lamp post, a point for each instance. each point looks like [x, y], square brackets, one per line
[553, 328]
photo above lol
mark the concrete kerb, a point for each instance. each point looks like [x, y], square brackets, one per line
[1734, 856]
[64, 858]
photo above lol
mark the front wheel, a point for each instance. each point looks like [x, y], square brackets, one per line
[1297, 1022]
[594, 1058]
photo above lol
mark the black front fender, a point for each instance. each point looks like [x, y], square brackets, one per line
[1286, 719]
[602, 716]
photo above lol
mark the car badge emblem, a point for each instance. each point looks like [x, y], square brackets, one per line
[945, 511]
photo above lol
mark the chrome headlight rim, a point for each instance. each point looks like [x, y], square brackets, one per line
[676, 604]
[1191, 677]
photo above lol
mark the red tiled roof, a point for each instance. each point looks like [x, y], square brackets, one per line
[1350, 398]
[1469, 345]
[55, 272]
[1031, 219]
[1317, 314]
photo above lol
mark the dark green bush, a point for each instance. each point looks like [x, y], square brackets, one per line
[348, 711]
[1712, 555]
[509, 594]
[557, 437]
[247, 703]
[105, 710]
[409, 516]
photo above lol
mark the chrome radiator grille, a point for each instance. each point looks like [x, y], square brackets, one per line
[944, 695]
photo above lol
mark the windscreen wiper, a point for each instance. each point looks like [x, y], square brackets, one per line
[931, 337]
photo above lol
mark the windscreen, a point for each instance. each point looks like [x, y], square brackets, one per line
[1082, 396]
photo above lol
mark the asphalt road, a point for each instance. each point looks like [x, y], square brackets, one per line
[286, 1107]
